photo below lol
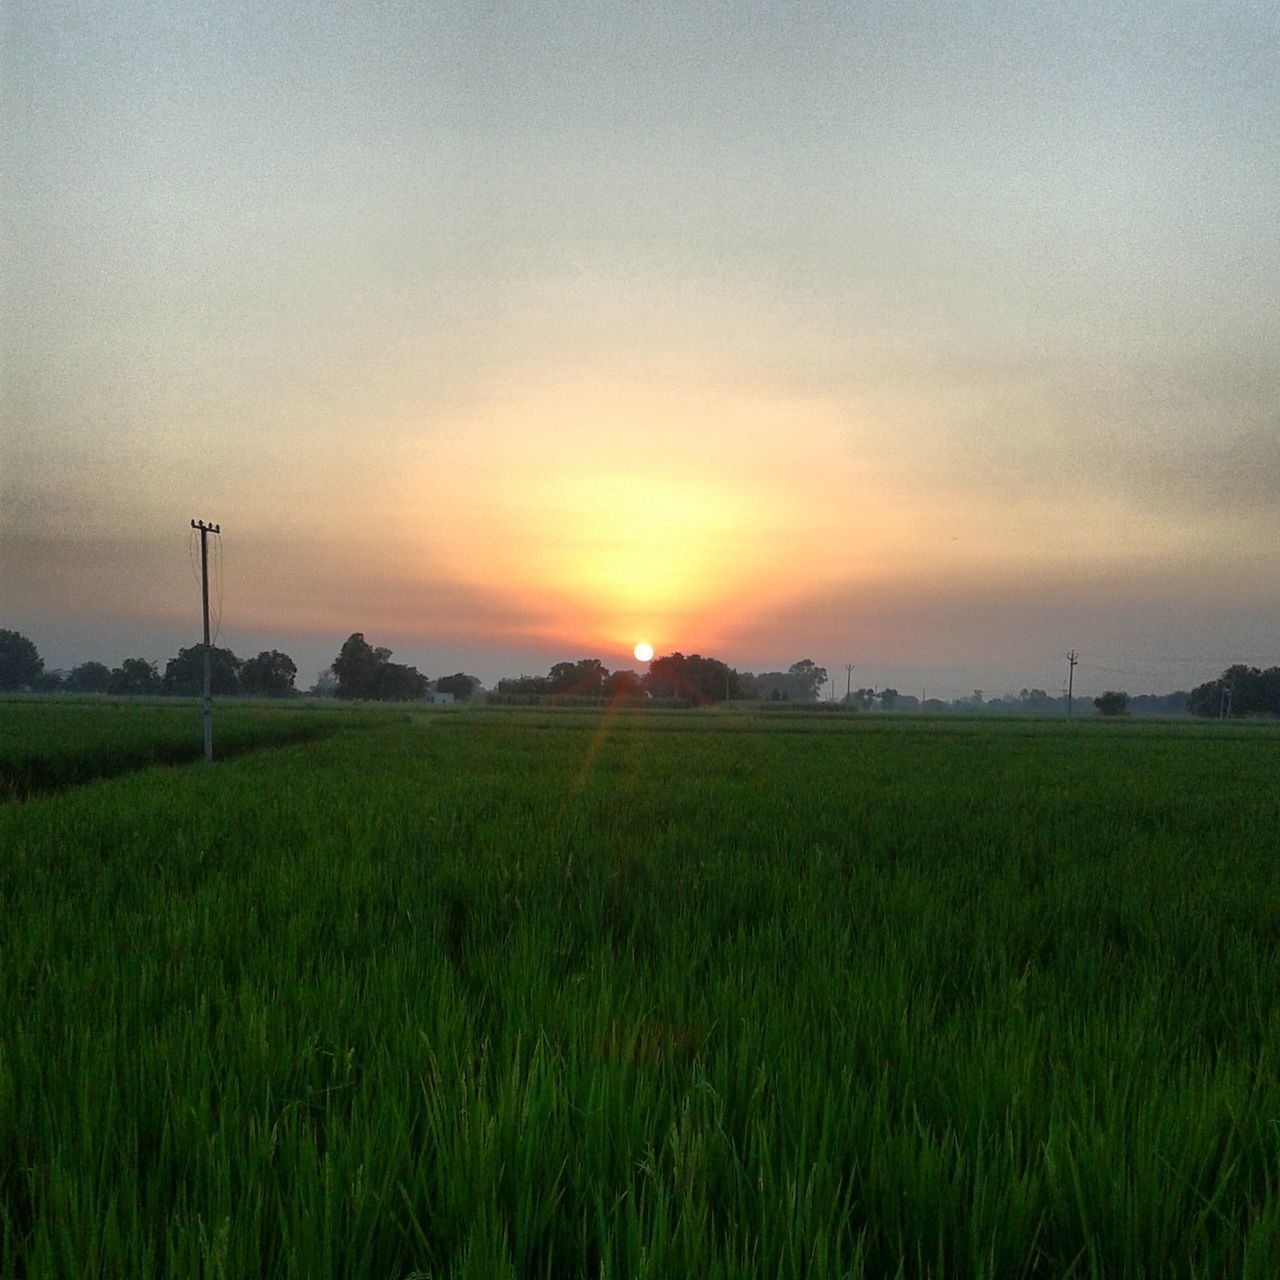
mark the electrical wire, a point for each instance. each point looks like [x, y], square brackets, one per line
[191, 556]
[218, 586]
[1191, 659]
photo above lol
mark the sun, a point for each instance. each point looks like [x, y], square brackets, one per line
[644, 651]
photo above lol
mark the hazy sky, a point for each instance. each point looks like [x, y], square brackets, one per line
[936, 337]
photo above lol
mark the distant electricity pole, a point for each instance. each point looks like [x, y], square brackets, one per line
[848, 682]
[1072, 659]
[205, 531]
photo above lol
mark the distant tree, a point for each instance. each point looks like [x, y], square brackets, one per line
[89, 677]
[665, 677]
[810, 678]
[184, 675]
[135, 676]
[1208, 699]
[1112, 703]
[799, 683]
[357, 667]
[365, 672]
[583, 679]
[624, 685]
[50, 682]
[888, 699]
[1036, 700]
[1239, 691]
[325, 686]
[461, 685]
[270, 675]
[399, 683]
[1270, 691]
[520, 689]
[693, 677]
[20, 661]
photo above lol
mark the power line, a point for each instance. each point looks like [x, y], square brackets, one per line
[218, 585]
[191, 557]
[1186, 660]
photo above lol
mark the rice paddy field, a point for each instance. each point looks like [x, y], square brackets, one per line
[566, 994]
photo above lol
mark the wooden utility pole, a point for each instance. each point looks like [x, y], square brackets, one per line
[848, 681]
[1072, 659]
[205, 531]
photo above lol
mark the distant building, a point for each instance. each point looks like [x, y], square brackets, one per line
[438, 699]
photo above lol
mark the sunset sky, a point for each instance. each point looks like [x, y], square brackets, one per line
[934, 337]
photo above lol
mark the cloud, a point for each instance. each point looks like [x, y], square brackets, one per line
[1200, 609]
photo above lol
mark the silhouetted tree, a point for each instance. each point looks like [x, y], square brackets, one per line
[1112, 703]
[583, 679]
[269, 675]
[521, 688]
[89, 677]
[1239, 691]
[809, 676]
[888, 699]
[624, 686]
[366, 672]
[799, 683]
[135, 676]
[20, 661]
[184, 675]
[461, 685]
[357, 666]
[1036, 700]
[693, 677]
[400, 683]
[326, 685]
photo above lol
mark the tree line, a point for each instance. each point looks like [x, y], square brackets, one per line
[365, 672]
[270, 674]
[1238, 692]
[675, 677]
[359, 671]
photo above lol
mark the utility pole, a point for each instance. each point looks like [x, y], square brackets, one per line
[205, 531]
[848, 681]
[1072, 659]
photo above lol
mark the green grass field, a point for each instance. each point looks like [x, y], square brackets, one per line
[47, 745]
[491, 994]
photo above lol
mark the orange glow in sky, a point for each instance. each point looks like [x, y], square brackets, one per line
[625, 512]
[521, 338]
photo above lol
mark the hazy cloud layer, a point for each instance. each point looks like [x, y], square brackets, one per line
[531, 331]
